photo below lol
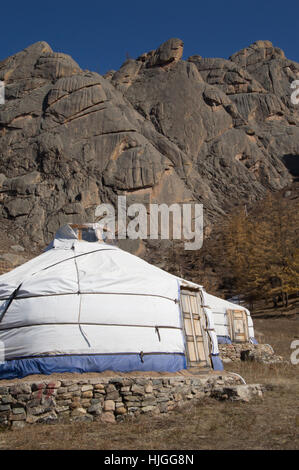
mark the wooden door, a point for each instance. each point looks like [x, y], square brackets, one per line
[197, 346]
[238, 325]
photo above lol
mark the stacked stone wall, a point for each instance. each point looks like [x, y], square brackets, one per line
[103, 399]
[248, 351]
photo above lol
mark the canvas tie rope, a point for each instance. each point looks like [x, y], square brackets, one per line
[80, 302]
[10, 300]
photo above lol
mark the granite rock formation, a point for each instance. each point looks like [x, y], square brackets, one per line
[160, 129]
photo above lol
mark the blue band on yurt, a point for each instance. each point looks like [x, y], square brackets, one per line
[18, 368]
[253, 340]
[224, 340]
[217, 362]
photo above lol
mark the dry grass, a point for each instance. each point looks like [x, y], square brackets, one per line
[270, 423]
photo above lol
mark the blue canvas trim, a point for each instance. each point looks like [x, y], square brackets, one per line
[18, 368]
[224, 340]
[216, 362]
[253, 340]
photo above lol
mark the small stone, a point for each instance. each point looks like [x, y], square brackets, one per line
[24, 397]
[118, 404]
[148, 388]
[4, 420]
[141, 381]
[163, 408]
[149, 401]
[73, 388]
[76, 403]
[86, 388]
[37, 410]
[31, 419]
[6, 399]
[48, 401]
[137, 389]
[227, 360]
[47, 417]
[62, 409]
[4, 407]
[163, 399]
[131, 398]
[109, 405]
[127, 382]
[87, 394]
[96, 409]
[94, 401]
[17, 411]
[83, 418]
[67, 383]
[18, 248]
[63, 390]
[20, 389]
[121, 411]
[17, 424]
[157, 381]
[18, 417]
[112, 396]
[117, 381]
[66, 396]
[55, 384]
[146, 409]
[64, 402]
[177, 396]
[78, 412]
[108, 417]
[85, 402]
[99, 387]
[38, 386]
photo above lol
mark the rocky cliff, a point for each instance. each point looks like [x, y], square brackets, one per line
[160, 129]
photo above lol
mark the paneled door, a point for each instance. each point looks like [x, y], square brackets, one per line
[238, 325]
[197, 342]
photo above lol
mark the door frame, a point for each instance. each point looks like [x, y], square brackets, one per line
[206, 362]
[230, 317]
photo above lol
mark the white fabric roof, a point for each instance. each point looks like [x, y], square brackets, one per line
[219, 308]
[84, 298]
[122, 300]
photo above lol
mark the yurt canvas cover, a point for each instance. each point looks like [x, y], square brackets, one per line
[233, 323]
[84, 306]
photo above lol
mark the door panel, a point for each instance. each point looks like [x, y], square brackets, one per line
[191, 351]
[194, 304]
[197, 348]
[238, 325]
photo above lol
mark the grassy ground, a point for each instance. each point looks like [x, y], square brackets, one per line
[268, 423]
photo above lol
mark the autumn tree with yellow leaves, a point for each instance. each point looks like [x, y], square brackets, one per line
[260, 250]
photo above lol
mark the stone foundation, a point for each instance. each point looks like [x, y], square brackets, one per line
[258, 352]
[108, 399]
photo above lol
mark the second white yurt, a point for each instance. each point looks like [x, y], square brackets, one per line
[233, 323]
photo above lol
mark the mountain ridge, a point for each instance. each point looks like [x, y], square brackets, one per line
[159, 130]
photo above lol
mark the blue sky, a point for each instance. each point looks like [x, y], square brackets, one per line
[100, 34]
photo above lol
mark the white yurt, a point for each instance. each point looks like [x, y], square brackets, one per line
[233, 323]
[87, 306]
